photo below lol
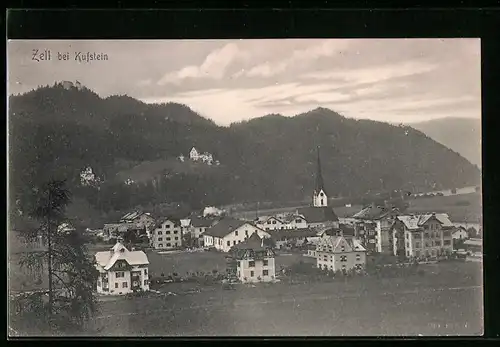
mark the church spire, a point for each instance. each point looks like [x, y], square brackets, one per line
[320, 198]
[319, 177]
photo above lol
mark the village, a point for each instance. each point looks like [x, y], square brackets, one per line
[252, 250]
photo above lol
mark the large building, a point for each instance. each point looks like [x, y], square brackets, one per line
[340, 253]
[140, 220]
[254, 261]
[228, 232]
[281, 222]
[423, 235]
[373, 227]
[167, 234]
[122, 271]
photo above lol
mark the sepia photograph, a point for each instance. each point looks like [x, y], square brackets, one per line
[253, 187]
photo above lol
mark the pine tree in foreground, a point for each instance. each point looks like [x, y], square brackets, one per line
[70, 300]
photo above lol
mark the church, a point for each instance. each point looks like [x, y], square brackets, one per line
[319, 215]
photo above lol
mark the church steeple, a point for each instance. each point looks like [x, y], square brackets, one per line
[319, 195]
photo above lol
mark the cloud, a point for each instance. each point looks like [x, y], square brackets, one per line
[214, 66]
[373, 74]
[299, 58]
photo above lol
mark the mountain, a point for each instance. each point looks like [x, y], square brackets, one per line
[55, 132]
[462, 135]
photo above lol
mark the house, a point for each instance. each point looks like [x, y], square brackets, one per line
[254, 261]
[340, 253]
[228, 232]
[141, 220]
[199, 225]
[293, 221]
[423, 235]
[121, 271]
[114, 230]
[474, 247]
[270, 223]
[194, 155]
[459, 233]
[372, 226]
[167, 234]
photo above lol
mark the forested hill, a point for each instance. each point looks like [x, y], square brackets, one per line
[463, 135]
[56, 132]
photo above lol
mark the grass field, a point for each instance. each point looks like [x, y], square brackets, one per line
[446, 301]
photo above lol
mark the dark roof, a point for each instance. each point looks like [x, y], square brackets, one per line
[224, 227]
[373, 212]
[202, 222]
[291, 234]
[318, 214]
[319, 185]
[254, 242]
[343, 229]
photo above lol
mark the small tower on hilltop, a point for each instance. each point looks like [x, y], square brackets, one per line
[320, 198]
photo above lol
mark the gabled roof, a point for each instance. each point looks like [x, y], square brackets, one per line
[160, 222]
[415, 222]
[318, 214]
[254, 243]
[343, 229]
[290, 218]
[107, 259]
[373, 212]
[225, 227]
[332, 244]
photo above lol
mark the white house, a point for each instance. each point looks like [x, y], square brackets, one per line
[340, 253]
[422, 235]
[194, 155]
[255, 261]
[270, 223]
[228, 232]
[167, 234]
[459, 233]
[121, 271]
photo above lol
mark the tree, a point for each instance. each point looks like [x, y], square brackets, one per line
[71, 275]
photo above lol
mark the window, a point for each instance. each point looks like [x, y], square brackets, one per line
[447, 242]
[268, 222]
[169, 245]
[160, 239]
[274, 222]
[321, 201]
[417, 253]
[229, 243]
[167, 226]
[407, 236]
[426, 227]
[176, 238]
[124, 285]
[145, 272]
[251, 273]
[167, 232]
[251, 263]
[167, 238]
[234, 242]
[407, 245]
[343, 258]
[176, 231]
[298, 221]
[438, 243]
[146, 282]
[342, 249]
[407, 253]
[238, 263]
[160, 245]
[120, 274]
[265, 272]
[246, 232]
[266, 262]
[159, 232]
[116, 285]
[417, 244]
[358, 257]
[446, 233]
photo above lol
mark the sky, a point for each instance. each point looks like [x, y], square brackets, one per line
[389, 80]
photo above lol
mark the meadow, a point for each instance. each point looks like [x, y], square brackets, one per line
[446, 301]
